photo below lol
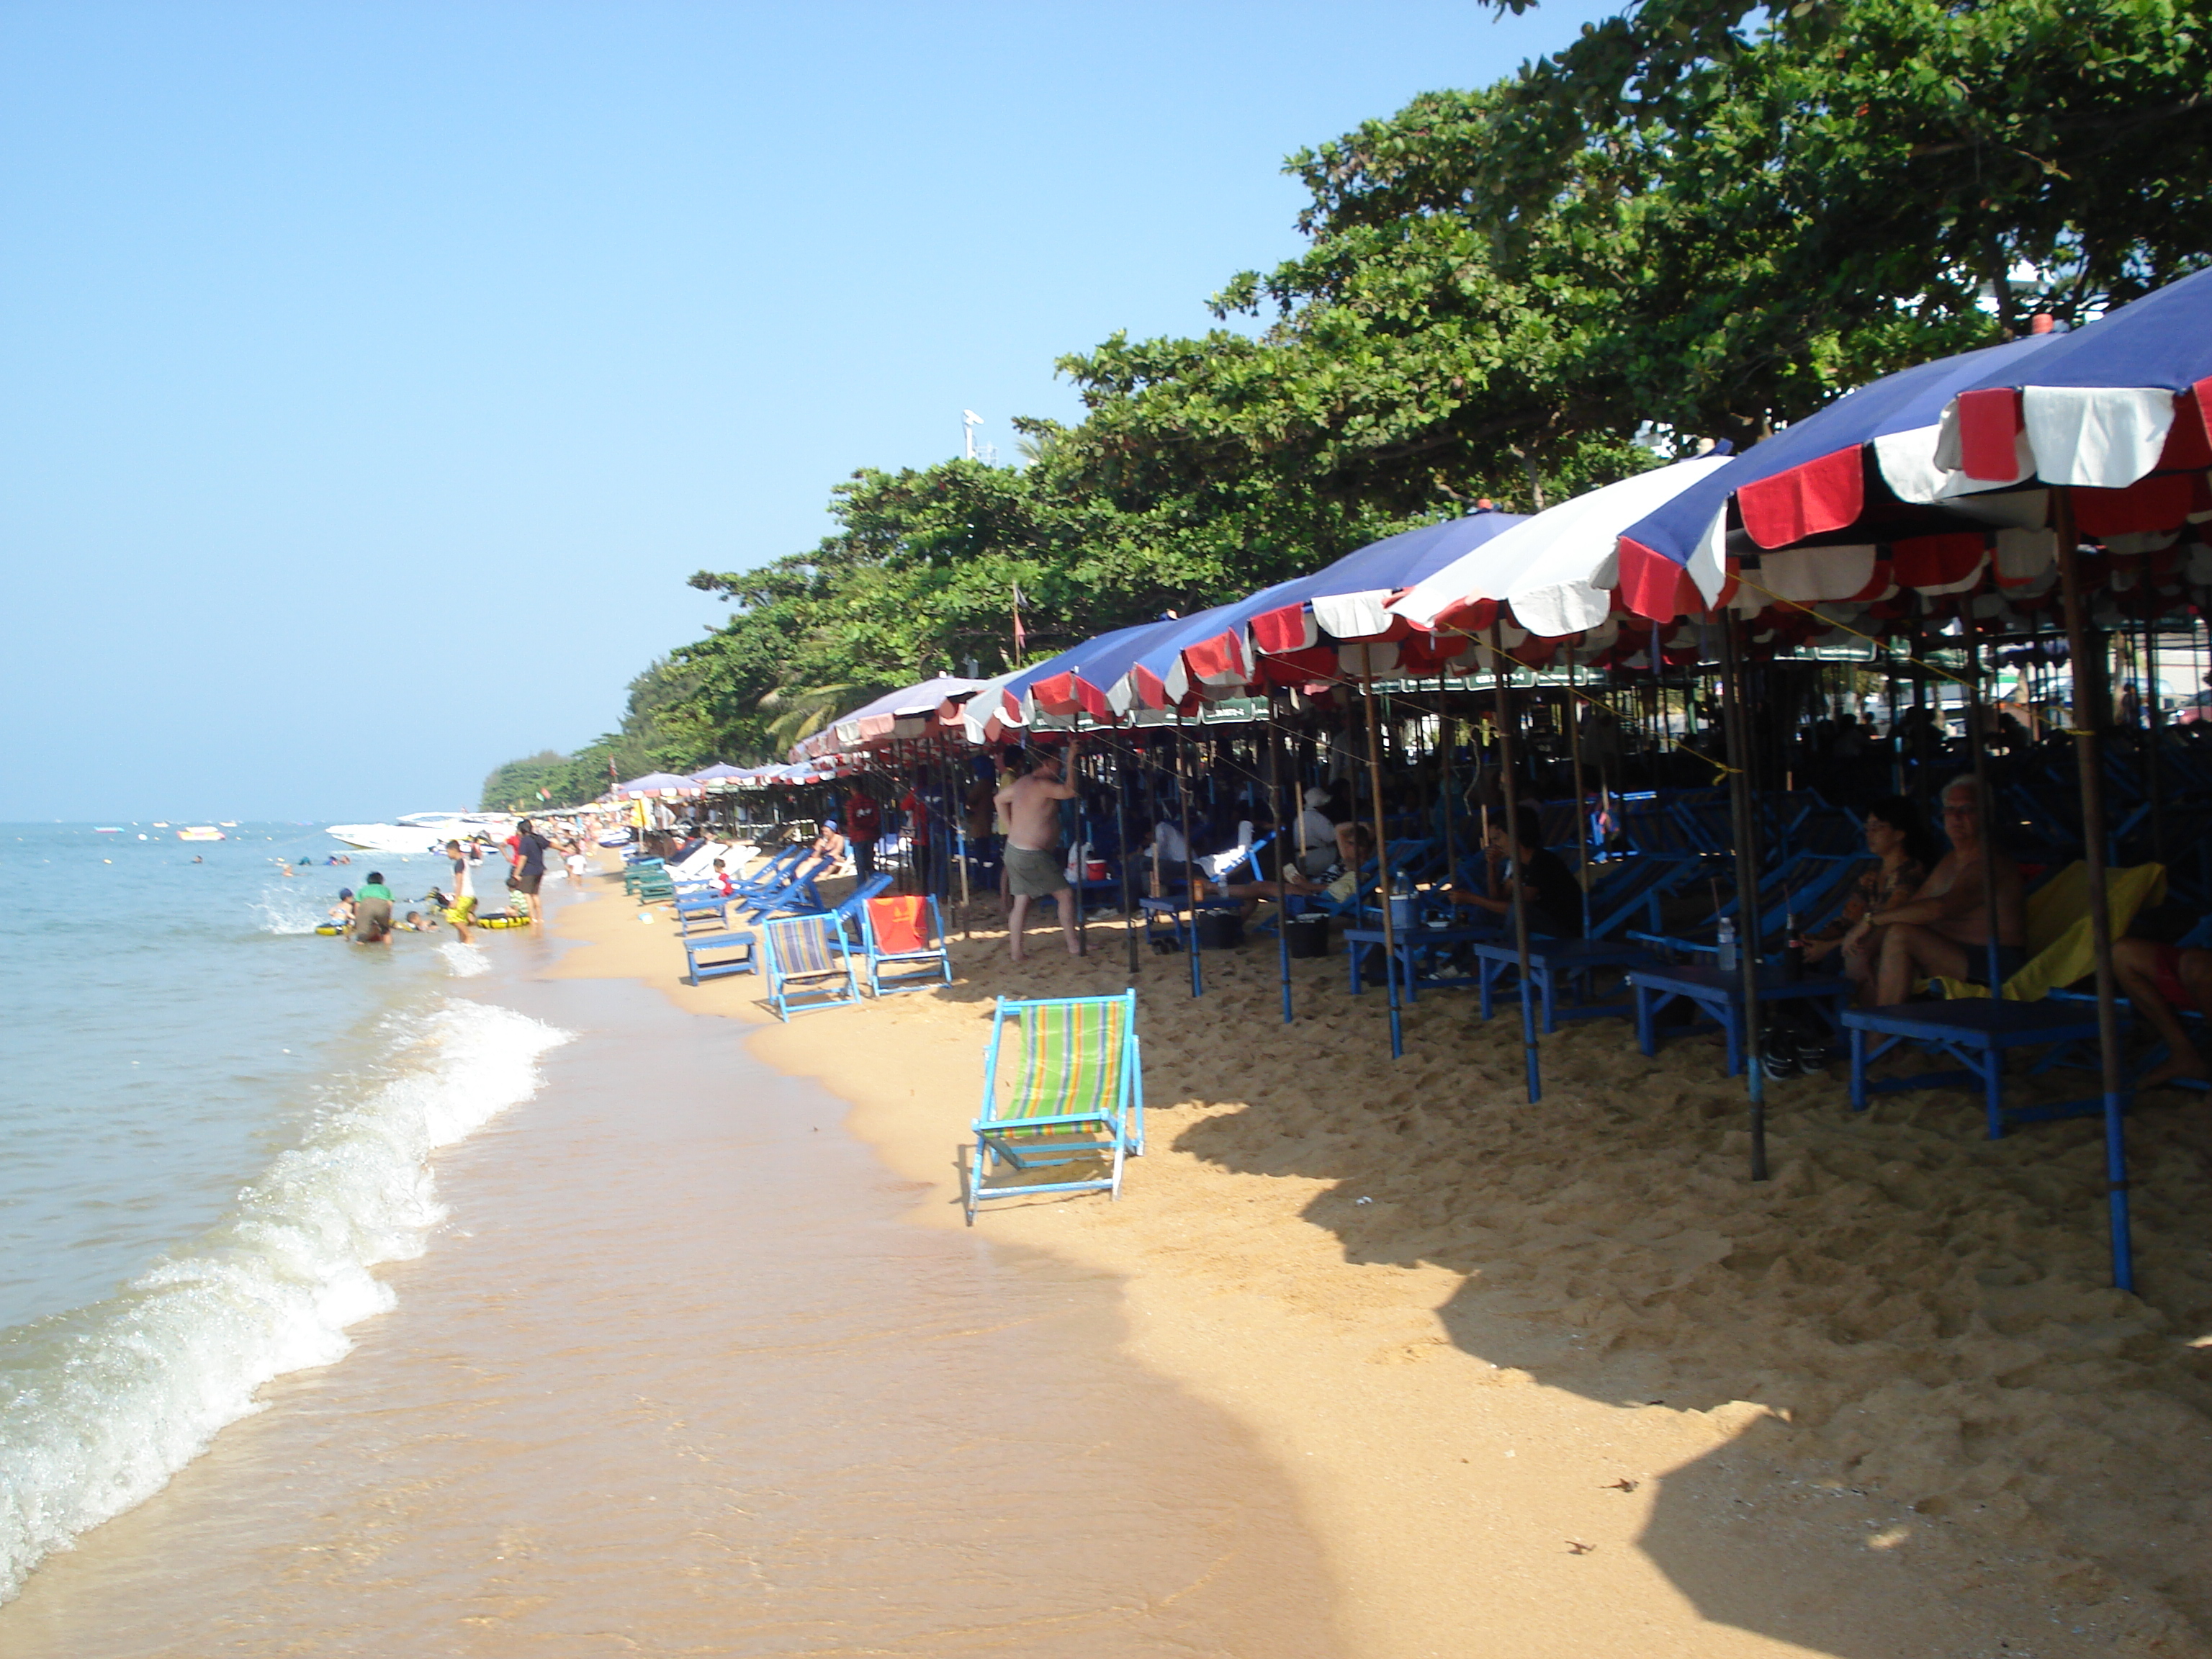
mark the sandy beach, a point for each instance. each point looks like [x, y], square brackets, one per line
[1370, 1360]
[1559, 1380]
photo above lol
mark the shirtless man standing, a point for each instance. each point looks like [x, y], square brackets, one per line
[1034, 867]
[1944, 932]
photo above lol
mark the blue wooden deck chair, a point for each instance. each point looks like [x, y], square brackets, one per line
[849, 911]
[1077, 1093]
[719, 955]
[772, 874]
[903, 940]
[804, 968]
[793, 891]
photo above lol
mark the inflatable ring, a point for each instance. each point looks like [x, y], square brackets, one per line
[329, 928]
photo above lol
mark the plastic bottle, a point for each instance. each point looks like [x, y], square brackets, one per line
[1725, 959]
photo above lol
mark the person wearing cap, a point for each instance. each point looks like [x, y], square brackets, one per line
[1316, 835]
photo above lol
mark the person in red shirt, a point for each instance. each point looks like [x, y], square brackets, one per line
[916, 809]
[864, 827]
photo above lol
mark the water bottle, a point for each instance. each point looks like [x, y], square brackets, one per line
[1725, 958]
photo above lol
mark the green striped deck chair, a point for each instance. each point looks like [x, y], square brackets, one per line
[807, 964]
[1075, 1093]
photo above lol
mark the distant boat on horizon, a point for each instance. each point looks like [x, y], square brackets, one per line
[201, 832]
[160, 823]
[107, 829]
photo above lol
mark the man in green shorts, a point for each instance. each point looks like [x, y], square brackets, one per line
[1035, 866]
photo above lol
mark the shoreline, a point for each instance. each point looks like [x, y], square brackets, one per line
[675, 1374]
[1509, 1360]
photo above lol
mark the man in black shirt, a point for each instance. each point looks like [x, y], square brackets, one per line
[1553, 895]
[529, 850]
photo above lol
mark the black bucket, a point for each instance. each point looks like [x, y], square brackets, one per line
[1220, 930]
[1308, 934]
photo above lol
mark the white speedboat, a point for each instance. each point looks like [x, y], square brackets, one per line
[423, 832]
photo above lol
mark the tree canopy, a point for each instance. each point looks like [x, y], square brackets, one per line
[1698, 221]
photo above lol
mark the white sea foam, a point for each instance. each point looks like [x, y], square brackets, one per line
[465, 961]
[292, 910]
[98, 1407]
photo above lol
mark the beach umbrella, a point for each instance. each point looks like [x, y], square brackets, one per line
[654, 784]
[1859, 474]
[1114, 680]
[985, 716]
[1271, 633]
[720, 772]
[1553, 570]
[2119, 411]
[1057, 685]
[905, 713]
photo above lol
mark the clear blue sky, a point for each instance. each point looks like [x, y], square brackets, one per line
[376, 373]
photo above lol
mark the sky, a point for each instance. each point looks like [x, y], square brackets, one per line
[374, 374]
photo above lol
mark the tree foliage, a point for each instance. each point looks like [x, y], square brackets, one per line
[1700, 219]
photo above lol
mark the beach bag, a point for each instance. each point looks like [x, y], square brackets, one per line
[1078, 861]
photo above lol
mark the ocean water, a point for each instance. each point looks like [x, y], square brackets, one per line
[216, 1122]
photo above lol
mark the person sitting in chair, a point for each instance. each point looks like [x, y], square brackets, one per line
[1553, 897]
[1897, 835]
[2158, 979]
[1339, 881]
[1943, 931]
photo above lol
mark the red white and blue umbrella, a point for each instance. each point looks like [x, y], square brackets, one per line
[1866, 465]
[2119, 411]
[1333, 625]
[1553, 570]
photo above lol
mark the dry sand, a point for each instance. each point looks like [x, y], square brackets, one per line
[1559, 1380]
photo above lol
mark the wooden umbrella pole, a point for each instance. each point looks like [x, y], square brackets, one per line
[1189, 865]
[1978, 756]
[956, 801]
[1275, 804]
[1122, 841]
[1445, 776]
[1572, 713]
[2088, 727]
[2153, 782]
[1381, 850]
[1518, 892]
[1738, 741]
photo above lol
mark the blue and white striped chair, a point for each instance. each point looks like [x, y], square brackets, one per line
[807, 964]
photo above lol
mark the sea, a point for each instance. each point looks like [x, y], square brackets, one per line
[216, 1122]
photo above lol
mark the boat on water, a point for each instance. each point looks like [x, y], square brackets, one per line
[108, 830]
[423, 832]
[202, 832]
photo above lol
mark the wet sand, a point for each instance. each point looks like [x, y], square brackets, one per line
[678, 1378]
[1560, 1381]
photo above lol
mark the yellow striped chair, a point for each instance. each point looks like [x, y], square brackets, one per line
[1074, 1094]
